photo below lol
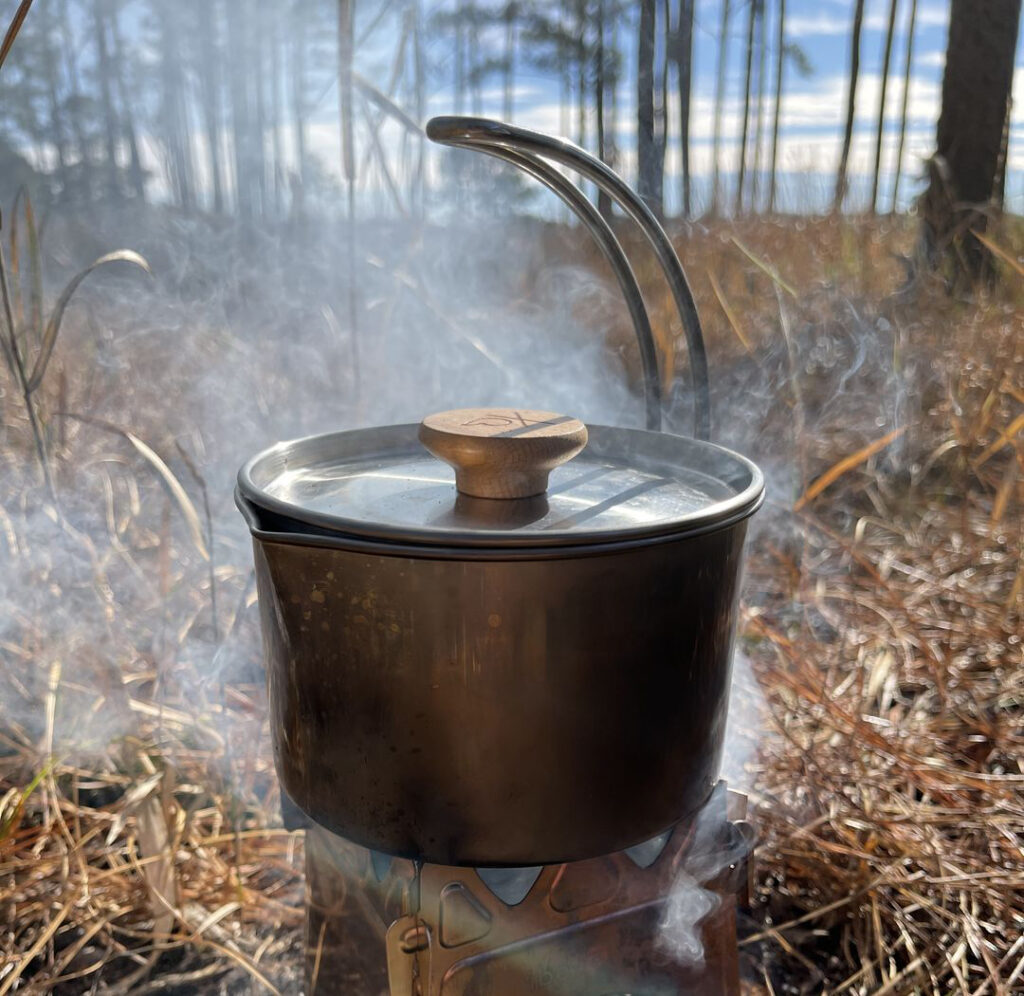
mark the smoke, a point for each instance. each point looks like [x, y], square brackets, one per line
[689, 904]
[744, 725]
[717, 850]
[244, 337]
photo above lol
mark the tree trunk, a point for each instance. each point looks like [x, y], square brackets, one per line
[886, 60]
[276, 170]
[460, 56]
[476, 69]
[611, 133]
[907, 69]
[99, 15]
[135, 171]
[209, 89]
[75, 93]
[999, 193]
[851, 104]
[741, 178]
[240, 117]
[56, 111]
[604, 202]
[420, 97]
[647, 164]
[661, 96]
[716, 142]
[346, 50]
[509, 67]
[762, 55]
[780, 64]
[257, 66]
[580, 39]
[684, 78]
[976, 87]
[298, 95]
[174, 113]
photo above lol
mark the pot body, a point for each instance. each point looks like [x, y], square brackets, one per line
[504, 708]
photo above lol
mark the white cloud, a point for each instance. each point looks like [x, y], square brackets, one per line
[930, 60]
[836, 23]
[927, 17]
[817, 24]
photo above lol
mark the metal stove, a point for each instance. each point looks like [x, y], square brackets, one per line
[381, 925]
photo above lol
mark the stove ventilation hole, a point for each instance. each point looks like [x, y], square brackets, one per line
[381, 864]
[644, 855]
[510, 885]
[462, 917]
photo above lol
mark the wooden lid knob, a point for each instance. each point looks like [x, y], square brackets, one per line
[502, 452]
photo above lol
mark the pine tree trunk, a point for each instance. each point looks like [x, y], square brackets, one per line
[661, 98]
[976, 86]
[684, 80]
[298, 101]
[277, 143]
[742, 173]
[257, 66]
[612, 78]
[604, 202]
[851, 106]
[581, 72]
[780, 63]
[420, 98]
[208, 72]
[99, 14]
[886, 60]
[174, 121]
[907, 70]
[346, 50]
[56, 111]
[762, 54]
[999, 194]
[647, 165]
[135, 171]
[509, 67]
[240, 116]
[460, 57]
[716, 142]
[475, 64]
[75, 91]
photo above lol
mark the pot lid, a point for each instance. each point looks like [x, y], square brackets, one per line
[500, 477]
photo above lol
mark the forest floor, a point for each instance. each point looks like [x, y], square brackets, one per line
[880, 683]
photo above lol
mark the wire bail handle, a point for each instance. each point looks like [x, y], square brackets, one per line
[529, 151]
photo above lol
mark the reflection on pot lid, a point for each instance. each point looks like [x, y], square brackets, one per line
[383, 484]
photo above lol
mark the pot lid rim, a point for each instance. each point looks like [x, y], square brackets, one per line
[727, 511]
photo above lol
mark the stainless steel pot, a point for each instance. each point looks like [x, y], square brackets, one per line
[523, 679]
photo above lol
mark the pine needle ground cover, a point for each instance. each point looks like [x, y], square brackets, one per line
[879, 684]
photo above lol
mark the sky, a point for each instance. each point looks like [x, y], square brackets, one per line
[813, 108]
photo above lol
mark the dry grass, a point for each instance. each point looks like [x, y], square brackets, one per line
[882, 619]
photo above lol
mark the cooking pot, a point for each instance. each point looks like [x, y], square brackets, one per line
[500, 637]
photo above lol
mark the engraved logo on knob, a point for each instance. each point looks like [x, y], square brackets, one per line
[497, 421]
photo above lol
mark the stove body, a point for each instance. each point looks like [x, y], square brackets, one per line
[380, 925]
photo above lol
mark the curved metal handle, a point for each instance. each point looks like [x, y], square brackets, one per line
[527, 150]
